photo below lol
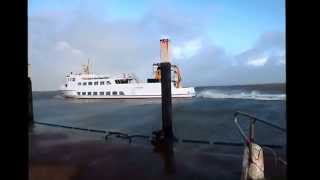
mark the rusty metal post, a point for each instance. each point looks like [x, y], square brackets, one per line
[164, 139]
[165, 68]
[166, 100]
[166, 133]
[164, 50]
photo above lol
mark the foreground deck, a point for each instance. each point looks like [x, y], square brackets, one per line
[63, 155]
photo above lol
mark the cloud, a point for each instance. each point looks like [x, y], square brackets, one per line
[270, 44]
[65, 47]
[282, 61]
[257, 62]
[60, 45]
[187, 50]
[262, 63]
[271, 40]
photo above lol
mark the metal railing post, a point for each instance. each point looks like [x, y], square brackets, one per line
[252, 133]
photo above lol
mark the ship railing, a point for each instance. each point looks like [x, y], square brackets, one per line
[249, 140]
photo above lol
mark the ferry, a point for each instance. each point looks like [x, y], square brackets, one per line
[87, 85]
[121, 86]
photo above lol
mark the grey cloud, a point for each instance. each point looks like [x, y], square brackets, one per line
[214, 67]
[113, 47]
[271, 40]
[132, 46]
[270, 44]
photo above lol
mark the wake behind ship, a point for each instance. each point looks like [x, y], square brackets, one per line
[123, 86]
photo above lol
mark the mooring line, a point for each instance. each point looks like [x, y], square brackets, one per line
[195, 141]
[70, 127]
[130, 137]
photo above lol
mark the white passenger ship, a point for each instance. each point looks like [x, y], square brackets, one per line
[89, 85]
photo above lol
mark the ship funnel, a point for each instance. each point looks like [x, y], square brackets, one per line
[164, 50]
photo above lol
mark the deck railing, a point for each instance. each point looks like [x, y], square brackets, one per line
[251, 139]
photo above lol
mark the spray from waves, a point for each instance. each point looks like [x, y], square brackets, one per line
[216, 94]
[58, 96]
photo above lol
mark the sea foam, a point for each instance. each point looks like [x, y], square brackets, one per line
[218, 94]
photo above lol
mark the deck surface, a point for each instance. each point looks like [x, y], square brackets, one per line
[62, 155]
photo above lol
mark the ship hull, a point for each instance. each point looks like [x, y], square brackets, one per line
[136, 91]
[126, 97]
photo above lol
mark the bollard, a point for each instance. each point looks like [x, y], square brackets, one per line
[166, 100]
[253, 164]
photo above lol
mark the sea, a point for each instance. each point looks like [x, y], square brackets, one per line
[209, 116]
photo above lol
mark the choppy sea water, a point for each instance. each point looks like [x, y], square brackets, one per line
[208, 116]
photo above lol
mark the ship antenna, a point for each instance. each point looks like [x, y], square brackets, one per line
[88, 66]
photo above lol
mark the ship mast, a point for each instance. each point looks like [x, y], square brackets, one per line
[88, 66]
[86, 69]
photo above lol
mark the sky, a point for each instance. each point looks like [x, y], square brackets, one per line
[214, 42]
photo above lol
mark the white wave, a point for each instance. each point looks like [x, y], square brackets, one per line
[59, 96]
[216, 94]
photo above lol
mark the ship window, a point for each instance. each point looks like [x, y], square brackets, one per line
[114, 93]
[83, 93]
[101, 93]
[101, 82]
[84, 83]
[73, 79]
[79, 83]
[96, 83]
[89, 93]
[108, 82]
[108, 93]
[89, 83]
[121, 93]
[122, 81]
[78, 93]
[95, 93]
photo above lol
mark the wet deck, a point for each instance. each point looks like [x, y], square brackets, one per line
[57, 155]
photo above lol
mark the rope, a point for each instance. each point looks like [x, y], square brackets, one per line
[71, 127]
[122, 135]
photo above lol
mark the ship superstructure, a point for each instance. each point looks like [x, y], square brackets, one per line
[123, 85]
